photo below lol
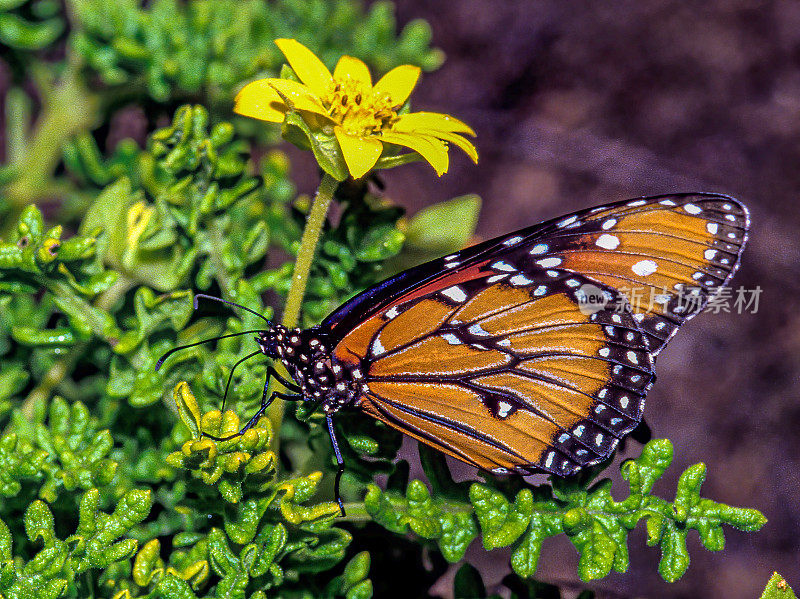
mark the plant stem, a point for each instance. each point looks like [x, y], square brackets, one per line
[68, 108]
[356, 512]
[308, 247]
[302, 268]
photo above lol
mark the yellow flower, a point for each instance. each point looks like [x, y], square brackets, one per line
[362, 116]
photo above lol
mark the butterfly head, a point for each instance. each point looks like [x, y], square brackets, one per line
[271, 341]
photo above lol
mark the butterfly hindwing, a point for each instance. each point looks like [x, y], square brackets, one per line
[505, 373]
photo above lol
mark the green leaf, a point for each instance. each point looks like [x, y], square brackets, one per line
[321, 142]
[777, 588]
[444, 227]
[468, 583]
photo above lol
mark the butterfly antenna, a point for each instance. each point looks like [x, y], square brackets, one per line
[230, 376]
[224, 301]
[188, 345]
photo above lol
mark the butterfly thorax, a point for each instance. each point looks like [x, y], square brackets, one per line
[306, 353]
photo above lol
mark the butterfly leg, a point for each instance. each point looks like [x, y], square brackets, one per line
[265, 403]
[339, 462]
[290, 385]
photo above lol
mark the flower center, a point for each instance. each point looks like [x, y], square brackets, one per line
[359, 110]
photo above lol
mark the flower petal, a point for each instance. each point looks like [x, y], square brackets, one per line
[430, 148]
[398, 83]
[297, 95]
[457, 140]
[360, 153]
[306, 65]
[349, 67]
[259, 100]
[434, 121]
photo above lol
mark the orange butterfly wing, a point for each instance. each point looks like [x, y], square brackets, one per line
[492, 355]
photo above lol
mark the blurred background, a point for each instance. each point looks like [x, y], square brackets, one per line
[577, 104]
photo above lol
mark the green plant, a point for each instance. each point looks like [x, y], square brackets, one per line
[109, 487]
[86, 317]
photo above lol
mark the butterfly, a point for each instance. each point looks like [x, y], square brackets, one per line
[531, 352]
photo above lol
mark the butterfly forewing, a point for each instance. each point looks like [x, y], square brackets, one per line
[668, 255]
[534, 351]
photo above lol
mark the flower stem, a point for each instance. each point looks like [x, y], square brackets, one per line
[68, 107]
[302, 268]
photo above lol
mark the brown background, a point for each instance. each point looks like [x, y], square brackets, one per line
[579, 103]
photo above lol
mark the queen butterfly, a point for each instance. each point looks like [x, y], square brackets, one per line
[531, 352]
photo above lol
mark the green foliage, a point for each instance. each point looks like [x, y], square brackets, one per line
[27, 25]
[158, 55]
[583, 510]
[87, 316]
[109, 487]
[175, 49]
[777, 588]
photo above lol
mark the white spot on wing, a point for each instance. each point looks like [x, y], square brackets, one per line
[455, 293]
[520, 280]
[712, 228]
[608, 242]
[451, 339]
[393, 313]
[636, 203]
[504, 266]
[604, 352]
[567, 221]
[623, 402]
[495, 278]
[709, 254]
[377, 348]
[540, 290]
[644, 268]
[632, 357]
[539, 248]
[667, 203]
[513, 240]
[477, 330]
[504, 343]
[609, 224]
[692, 208]
[503, 408]
[549, 262]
